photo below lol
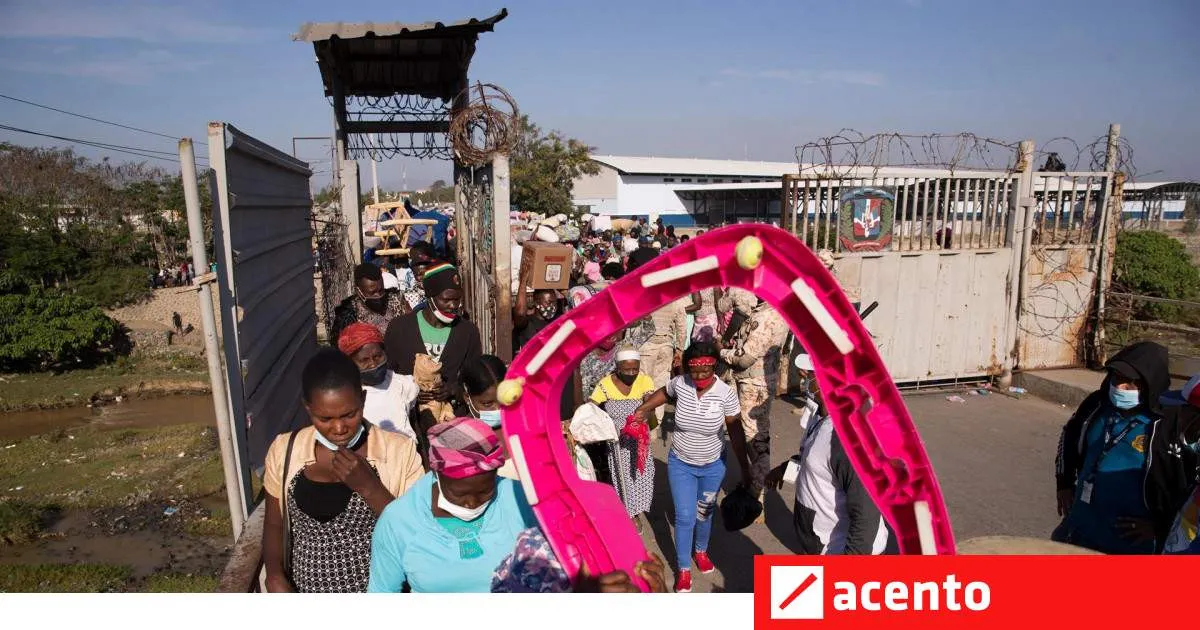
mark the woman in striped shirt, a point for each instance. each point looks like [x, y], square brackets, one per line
[705, 410]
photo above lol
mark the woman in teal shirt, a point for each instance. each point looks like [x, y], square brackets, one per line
[457, 523]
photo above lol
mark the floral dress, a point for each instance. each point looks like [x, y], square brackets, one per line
[635, 484]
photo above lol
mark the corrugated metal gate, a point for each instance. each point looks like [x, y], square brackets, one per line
[263, 241]
[940, 252]
[482, 224]
[933, 253]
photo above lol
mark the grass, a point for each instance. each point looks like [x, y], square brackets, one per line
[20, 522]
[180, 583]
[64, 578]
[92, 468]
[47, 390]
[218, 525]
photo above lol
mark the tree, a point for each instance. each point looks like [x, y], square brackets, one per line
[1155, 264]
[544, 168]
[1191, 214]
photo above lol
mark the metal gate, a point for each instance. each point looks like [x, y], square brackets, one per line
[1065, 228]
[483, 249]
[263, 240]
[975, 272]
[932, 248]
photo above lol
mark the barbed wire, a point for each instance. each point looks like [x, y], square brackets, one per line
[486, 125]
[851, 153]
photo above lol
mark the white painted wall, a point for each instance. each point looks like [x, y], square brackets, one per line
[641, 194]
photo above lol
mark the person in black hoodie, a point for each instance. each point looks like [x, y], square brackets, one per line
[1116, 478]
[440, 330]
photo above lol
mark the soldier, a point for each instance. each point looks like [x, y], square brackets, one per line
[662, 352]
[754, 355]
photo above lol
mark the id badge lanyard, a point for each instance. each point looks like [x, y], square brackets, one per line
[1110, 442]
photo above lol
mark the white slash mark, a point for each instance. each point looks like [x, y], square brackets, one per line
[925, 528]
[518, 458]
[809, 299]
[708, 263]
[552, 346]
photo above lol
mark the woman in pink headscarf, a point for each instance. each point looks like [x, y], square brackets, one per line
[457, 523]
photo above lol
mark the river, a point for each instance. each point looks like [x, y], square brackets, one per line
[138, 413]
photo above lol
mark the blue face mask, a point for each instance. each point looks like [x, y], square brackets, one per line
[1123, 398]
[491, 417]
[350, 445]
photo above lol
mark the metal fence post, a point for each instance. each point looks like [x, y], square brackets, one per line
[1107, 240]
[1021, 244]
[500, 242]
[216, 375]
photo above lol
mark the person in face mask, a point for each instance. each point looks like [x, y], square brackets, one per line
[327, 483]
[456, 525]
[371, 303]
[620, 394]
[1115, 468]
[530, 318]
[832, 512]
[391, 397]
[479, 382]
[438, 330]
[706, 409]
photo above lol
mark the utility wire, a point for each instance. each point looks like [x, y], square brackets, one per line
[138, 151]
[94, 119]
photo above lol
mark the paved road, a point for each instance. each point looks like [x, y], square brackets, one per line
[994, 457]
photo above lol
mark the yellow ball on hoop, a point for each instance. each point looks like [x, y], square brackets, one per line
[509, 391]
[749, 253]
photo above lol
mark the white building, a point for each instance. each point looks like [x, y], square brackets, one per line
[683, 190]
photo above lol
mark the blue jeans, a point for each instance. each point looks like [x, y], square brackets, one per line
[694, 493]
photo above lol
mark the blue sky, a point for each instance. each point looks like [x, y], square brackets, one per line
[687, 79]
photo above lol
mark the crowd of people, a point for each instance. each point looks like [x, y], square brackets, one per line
[402, 481]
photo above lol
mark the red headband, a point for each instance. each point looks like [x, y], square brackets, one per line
[702, 362]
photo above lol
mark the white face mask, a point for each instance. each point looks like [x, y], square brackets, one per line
[458, 511]
[442, 317]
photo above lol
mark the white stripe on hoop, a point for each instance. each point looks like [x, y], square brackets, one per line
[809, 299]
[925, 528]
[517, 454]
[708, 263]
[550, 348]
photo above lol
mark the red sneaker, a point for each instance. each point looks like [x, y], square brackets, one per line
[704, 563]
[683, 584]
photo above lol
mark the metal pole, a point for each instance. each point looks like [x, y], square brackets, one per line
[216, 375]
[374, 170]
[1110, 217]
[1026, 201]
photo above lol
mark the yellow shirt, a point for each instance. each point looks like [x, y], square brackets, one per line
[392, 454]
[607, 389]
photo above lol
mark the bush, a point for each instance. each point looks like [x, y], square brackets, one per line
[42, 330]
[1153, 263]
[113, 287]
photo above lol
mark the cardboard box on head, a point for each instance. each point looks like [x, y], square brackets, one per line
[549, 264]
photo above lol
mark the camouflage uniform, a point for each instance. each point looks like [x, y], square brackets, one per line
[669, 337]
[754, 355]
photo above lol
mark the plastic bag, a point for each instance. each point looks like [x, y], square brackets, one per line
[591, 424]
[583, 464]
[739, 509]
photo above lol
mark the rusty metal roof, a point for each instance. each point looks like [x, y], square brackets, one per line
[429, 59]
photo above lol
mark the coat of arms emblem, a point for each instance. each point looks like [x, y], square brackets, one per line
[865, 219]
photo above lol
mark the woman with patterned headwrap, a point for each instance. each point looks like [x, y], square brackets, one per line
[458, 522]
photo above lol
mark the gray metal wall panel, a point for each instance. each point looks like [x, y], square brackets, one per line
[941, 315]
[267, 212]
